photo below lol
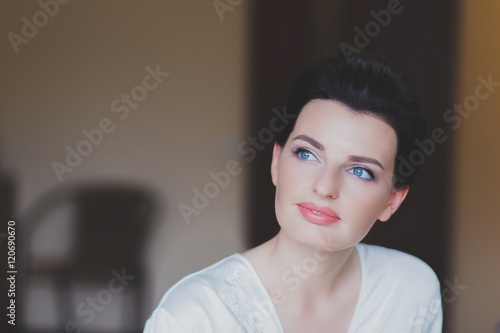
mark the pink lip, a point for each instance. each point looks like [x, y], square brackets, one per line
[326, 216]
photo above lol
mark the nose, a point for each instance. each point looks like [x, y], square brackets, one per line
[327, 184]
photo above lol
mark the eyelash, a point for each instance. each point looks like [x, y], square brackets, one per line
[298, 151]
[368, 171]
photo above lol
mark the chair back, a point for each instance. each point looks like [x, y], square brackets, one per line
[111, 225]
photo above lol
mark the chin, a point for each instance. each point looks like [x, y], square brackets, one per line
[318, 237]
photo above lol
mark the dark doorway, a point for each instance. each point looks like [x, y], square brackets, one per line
[419, 38]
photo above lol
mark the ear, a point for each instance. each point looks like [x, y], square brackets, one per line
[397, 197]
[274, 163]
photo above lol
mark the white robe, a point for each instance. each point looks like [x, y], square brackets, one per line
[399, 294]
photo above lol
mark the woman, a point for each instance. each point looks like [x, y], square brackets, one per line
[336, 172]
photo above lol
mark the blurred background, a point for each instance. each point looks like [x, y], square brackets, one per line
[135, 142]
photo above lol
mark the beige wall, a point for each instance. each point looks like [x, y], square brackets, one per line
[477, 191]
[64, 79]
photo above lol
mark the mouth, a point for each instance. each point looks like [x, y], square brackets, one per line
[316, 214]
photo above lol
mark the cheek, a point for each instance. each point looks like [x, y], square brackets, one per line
[284, 180]
[366, 204]
[292, 183]
[292, 175]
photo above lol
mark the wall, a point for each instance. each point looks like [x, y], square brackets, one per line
[477, 228]
[64, 78]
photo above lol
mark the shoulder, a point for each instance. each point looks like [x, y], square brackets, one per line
[396, 266]
[397, 278]
[204, 282]
[399, 292]
[202, 295]
[224, 297]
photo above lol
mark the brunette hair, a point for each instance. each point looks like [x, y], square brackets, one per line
[364, 84]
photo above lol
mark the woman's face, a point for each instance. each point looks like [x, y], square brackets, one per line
[333, 177]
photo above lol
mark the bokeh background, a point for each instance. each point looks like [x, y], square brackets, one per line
[175, 92]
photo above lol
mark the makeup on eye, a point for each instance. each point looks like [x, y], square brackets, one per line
[361, 172]
[303, 153]
[320, 147]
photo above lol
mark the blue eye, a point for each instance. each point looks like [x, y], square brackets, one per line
[363, 173]
[304, 154]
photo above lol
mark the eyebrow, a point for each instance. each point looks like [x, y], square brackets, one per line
[313, 142]
[364, 159]
[353, 158]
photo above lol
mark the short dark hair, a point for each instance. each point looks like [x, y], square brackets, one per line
[365, 84]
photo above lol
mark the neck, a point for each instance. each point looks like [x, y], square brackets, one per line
[302, 272]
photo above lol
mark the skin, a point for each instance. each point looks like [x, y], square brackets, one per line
[312, 271]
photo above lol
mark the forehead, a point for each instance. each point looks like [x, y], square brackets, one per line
[337, 127]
